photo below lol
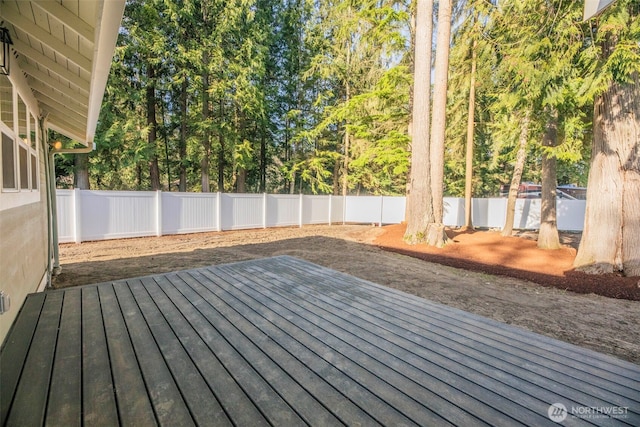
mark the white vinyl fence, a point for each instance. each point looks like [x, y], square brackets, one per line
[85, 215]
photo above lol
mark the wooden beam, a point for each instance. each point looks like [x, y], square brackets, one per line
[65, 129]
[46, 38]
[68, 18]
[41, 85]
[61, 103]
[53, 66]
[49, 81]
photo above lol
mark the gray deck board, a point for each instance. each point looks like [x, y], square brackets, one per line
[465, 341]
[98, 398]
[29, 402]
[64, 407]
[283, 342]
[15, 350]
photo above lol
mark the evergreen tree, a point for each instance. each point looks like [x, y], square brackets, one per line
[610, 240]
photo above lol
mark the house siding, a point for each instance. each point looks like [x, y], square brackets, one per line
[23, 255]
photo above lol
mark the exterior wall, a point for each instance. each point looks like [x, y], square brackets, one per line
[24, 230]
[23, 255]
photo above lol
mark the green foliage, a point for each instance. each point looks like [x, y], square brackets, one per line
[283, 82]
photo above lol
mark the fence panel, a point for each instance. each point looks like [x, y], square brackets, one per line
[337, 209]
[283, 210]
[242, 211]
[527, 214]
[453, 212]
[65, 202]
[364, 209]
[117, 214]
[489, 213]
[570, 214]
[393, 209]
[317, 209]
[189, 212]
[96, 215]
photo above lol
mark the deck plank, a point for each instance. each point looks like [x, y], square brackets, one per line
[168, 405]
[450, 393]
[399, 410]
[281, 341]
[15, 350]
[416, 335]
[231, 350]
[133, 400]
[312, 396]
[98, 392]
[30, 400]
[523, 351]
[65, 404]
[199, 339]
[203, 405]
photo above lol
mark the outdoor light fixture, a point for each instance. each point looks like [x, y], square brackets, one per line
[6, 51]
[56, 145]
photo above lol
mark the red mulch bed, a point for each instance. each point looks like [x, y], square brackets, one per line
[490, 252]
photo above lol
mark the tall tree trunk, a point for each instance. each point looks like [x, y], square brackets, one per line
[611, 237]
[81, 171]
[263, 157]
[347, 136]
[521, 156]
[241, 181]
[292, 183]
[548, 237]
[221, 149]
[154, 169]
[182, 149]
[336, 179]
[419, 206]
[468, 177]
[206, 137]
[436, 235]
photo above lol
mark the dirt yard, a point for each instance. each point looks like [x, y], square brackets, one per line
[507, 279]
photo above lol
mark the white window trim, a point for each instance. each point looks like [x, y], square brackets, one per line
[15, 197]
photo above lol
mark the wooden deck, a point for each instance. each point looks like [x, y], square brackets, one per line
[283, 342]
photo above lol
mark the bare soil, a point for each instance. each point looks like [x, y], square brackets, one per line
[504, 278]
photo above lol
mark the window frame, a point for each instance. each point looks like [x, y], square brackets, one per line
[26, 190]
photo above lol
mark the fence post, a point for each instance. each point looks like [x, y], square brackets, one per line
[77, 218]
[300, 210]
[344, 209]
[158, 213]
[264, 210]
[218, 211]
[381, 210]
[330, 207]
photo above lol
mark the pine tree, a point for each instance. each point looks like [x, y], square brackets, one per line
[610, 240]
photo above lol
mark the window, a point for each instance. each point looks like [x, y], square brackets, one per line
[22, 120]
[32, 131]
[19, 153]
[34, 172]
[6, 102]
[8, 163]
[24, 168]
